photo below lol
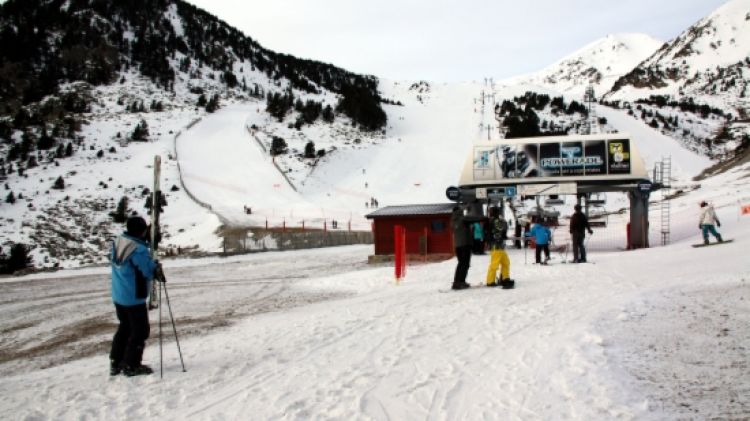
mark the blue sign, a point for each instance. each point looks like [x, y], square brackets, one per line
[510, 191]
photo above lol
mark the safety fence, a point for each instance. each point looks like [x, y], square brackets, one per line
[179, 170]
[244, 240]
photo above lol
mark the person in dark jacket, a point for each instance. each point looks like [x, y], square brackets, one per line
[462, 242]
[579, 224]
[517, 234]
[133, 270]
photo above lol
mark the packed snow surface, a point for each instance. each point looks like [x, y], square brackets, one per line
[656, 334]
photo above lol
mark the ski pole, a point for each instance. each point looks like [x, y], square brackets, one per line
[174, 327]
[161, 349]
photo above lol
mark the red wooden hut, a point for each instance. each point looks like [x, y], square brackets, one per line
[428, 230]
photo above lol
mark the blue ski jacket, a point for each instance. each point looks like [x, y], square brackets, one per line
[478, 231]
[540, 233]
[132, 271]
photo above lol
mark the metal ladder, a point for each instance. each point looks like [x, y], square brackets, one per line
[663, 175]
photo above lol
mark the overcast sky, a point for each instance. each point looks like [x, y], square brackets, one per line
[449, 40]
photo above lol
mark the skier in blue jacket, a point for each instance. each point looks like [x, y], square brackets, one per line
[133, 270]
[542, 236]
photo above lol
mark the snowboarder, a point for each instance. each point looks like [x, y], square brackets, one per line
[579, 224]
[498, 228]
[708, 219]
[133, 270]
[462, 243]
[542, 235]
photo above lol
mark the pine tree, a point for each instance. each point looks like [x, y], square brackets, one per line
[45, 141]
[19, 259]
[120, 215]
[59, 184]
[328, 115]
[140, 133]
[10, 198]
[310, 150]
[278, 146]
[213, 104]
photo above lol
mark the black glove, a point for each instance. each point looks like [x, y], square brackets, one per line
[718, 224]
[159, 273]
[590, 232]
[700, 227]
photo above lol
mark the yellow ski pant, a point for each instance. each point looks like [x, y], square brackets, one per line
[498, 257]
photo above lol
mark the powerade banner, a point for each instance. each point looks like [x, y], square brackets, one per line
[555, 159]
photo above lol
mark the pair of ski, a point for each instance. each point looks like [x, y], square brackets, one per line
[158, 286]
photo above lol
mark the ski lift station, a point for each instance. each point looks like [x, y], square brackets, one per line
[545, 168]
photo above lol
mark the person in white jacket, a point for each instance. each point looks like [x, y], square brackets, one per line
[708, 219]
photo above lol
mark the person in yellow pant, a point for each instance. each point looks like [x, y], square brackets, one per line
[498, 228]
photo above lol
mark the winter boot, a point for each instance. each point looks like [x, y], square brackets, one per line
[139, 370]
[507, 283]
[114, 368]
[460, 285]
[705, 241]
[718, 237]
[493, 284]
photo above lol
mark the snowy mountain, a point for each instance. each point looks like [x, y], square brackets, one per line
[700, 79]
[708, 61]
[76, 152]
[86, 101]
[598, 64]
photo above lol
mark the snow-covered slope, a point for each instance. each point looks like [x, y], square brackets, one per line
[598, 64]
[224, 163]
[651, 334]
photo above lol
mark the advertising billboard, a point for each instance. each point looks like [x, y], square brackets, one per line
[578, 158]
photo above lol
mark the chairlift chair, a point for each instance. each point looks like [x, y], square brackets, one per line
[597, 199]
[598, 218]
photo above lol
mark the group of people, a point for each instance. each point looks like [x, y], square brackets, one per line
[463, 239]
[472, 234]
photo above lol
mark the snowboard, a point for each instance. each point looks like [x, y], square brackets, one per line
[479, 286]
[714, 243]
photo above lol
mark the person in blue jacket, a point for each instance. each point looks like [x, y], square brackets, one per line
[133, 270]
[542, 236]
